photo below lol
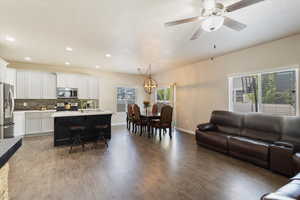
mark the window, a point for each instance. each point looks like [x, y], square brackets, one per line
[163, 95]
[267, 92]
[125, 96]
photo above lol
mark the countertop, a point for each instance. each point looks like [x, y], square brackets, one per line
[81, 113]
[38, 111]
[8, 147]
[47, 111]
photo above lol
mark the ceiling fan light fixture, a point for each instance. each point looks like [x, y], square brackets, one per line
[212, 23]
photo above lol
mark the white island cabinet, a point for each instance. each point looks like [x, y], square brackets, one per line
[39, 122]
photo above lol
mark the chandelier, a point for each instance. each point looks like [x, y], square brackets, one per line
[149, 83]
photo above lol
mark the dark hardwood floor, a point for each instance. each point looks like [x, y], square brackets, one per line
[132, 168]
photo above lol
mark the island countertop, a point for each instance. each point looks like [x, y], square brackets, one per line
[8, 147]
[80, 113]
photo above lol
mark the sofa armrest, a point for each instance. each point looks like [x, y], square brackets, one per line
[284, 144]
[207, 127]
[293, 145]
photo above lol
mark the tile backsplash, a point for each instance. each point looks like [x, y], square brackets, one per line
[50, 104]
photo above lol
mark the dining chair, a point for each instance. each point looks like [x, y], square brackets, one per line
[155, 108]
[165, 121]
[138, 121]
[129, 118]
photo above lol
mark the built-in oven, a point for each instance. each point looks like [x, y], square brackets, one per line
[66, 93]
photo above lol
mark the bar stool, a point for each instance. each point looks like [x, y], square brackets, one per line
[76, 136]
[101, 133]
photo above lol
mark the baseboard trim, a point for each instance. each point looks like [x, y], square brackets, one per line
[185, 130]
[118, 124]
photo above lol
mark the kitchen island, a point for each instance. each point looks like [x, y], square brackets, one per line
[87, 118]
[8, 148]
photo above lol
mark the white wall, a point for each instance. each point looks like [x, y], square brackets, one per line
[203, 87]
[108, 83]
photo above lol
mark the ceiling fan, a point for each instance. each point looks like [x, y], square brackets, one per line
[213, 16]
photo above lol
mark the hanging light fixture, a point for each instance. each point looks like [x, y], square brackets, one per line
[149, 83]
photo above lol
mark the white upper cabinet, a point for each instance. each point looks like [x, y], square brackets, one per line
[42, 85]
[35, 85]
[22, 83]
[49, 86]
[93, 88]
[87, 86]
[83, 87]
[68, 80]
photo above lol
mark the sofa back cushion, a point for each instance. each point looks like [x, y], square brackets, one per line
[227, 122]
[291, 129]
[262, 127]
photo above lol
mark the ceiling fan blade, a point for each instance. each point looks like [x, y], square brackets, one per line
[242, 4]
[197, 33]
[182, 21]
[233, 24]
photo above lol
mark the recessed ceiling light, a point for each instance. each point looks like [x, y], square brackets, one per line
[67, 63]
[97, 66]
[27, 58]
[10, 39]
[107, 55]
[69, 49]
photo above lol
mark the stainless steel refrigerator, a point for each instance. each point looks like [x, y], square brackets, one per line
[6, 111]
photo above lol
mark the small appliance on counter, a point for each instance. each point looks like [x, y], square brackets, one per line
[7, 105]
[67, 106]
[67, 93]
[74, 106]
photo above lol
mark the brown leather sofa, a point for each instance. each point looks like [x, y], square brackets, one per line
[265, 140]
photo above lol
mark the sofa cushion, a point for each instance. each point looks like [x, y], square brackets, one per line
[291, 130]
[262, 127]
[249, 147]
[214, 140]
[227, 122]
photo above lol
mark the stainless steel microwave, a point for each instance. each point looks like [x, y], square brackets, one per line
[66, 93]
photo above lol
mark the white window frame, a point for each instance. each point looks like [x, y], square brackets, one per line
[259, 74]
[125, 86]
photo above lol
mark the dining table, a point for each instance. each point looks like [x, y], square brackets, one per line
[149, 116]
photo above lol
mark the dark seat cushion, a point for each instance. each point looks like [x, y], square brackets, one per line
[214, 140]
[227, 122]
[262, 127]
[249, 147]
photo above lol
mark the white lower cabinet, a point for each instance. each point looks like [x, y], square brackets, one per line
[39, 122]
[47, 122]
[19, 121]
